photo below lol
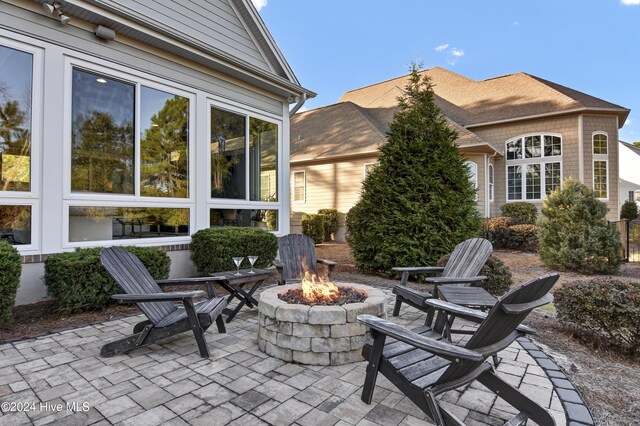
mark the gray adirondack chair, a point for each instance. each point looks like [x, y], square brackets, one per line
[294, 250]
[164, 317]
[423, 366]
[462, 269]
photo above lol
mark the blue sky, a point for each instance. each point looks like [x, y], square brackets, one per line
[337, 45]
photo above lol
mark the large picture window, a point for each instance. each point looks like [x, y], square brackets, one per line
[533, 166]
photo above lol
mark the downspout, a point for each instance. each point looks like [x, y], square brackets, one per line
[301, 100]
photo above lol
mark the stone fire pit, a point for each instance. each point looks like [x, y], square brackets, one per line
[315, 335]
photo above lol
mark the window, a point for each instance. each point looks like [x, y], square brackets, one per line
[251, 218]
[263, 160]
[533, 166]
[299, 187]
[600, 164]
[368, 167]
[491, 180]
[473, 175]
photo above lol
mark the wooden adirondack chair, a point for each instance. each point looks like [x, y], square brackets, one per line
[294, 250]
[462, 269]
[164, 318]
[422, 366]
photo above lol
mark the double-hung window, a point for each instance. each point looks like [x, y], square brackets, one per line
[600, 164]
[299, 187]
[534, 166]
[129, 166]
[20, 97]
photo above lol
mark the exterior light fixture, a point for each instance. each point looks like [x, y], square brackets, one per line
[50, 8]
[64, 19]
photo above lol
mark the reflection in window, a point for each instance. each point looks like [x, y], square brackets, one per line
[600, 143]
[533, 181]
[263, 160]
[16, 71]
[514, 182]
[514, 149]
[252, 218]
[552, 146]
[227, 154]
[15, 224]
[111, 223]
[164, 124]
[534, 170]
[102, 154]
[551, 177]
[600, 178]
[532, 147]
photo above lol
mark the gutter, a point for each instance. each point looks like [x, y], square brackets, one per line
[301, 100]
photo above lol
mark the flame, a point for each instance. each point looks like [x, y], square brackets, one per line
[315, 289]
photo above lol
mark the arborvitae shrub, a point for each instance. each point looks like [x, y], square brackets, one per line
[80, 283]
[419, 202]
[332, 222]
[605, 309]
[629, 210]
[212, 249]
[313, 226]
[10, 270]
[521, 212]
[499, 278]
[574, 232]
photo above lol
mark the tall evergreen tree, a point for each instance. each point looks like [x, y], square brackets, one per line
[419, 202]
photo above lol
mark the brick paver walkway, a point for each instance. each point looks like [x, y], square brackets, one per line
[61, 379]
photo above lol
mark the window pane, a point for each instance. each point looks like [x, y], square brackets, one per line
[112, 223]
[298, 186]
[599, 144]
[265, 219]
[514, 182]
[532, 146]
[102, 154]
[15, 224]
[552, 146]
[600, 178]
[227, 155]
[164, 140]
[491, 182]
[551, 177]
[514, 150]
[16, 72]
[263, 160]
[533, 181]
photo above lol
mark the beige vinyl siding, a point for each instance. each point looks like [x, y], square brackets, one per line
[329, 185]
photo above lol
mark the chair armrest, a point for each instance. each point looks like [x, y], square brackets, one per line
[419, 269]
[454, 280]
[187, 281]
[278, 264]
[327, 262]
[172, 296]
[443, 349]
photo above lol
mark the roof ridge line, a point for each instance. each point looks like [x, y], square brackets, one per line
[370, 120]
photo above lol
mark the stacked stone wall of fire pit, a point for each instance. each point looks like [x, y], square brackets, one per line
[315, 335]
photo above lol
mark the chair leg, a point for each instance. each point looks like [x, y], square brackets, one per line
[396, 307]
[140, 326]
[197, 329]
[373, 366]
[220, 324]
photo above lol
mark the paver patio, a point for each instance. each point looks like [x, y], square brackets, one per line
[169, 383]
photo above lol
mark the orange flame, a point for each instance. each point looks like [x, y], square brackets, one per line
[315, 289]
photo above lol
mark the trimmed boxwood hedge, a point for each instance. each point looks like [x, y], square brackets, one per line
[10, 270]
[212, 249]
[80, 283]
[314, 226]
[605, 309]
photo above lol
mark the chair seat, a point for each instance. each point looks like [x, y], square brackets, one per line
[414, 296]
[210, 308]
[467, 296]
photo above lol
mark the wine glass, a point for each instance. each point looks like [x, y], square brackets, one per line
[252, 260]
[238, 261]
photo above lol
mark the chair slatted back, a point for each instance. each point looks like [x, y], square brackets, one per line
[467, 259]
[294, 250]
[500, 325]
[132, 276]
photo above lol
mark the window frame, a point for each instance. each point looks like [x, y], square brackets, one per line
[364, 168]
[491, 185]
[524, 162]
[473, 165]
[304, 186]
[30, 198]
[600, 158]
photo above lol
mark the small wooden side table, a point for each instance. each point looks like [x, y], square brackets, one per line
[234, 284]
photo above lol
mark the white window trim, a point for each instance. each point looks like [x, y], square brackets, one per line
[304, 186]
[470, 164]
[30, 198]
[542, 161]
[491, 181]
[599, 157]
[593, 145]
[364, 168]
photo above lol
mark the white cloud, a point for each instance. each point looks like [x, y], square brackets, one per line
[259, 4]
[441, 47]
[630, 2]
[457, 52]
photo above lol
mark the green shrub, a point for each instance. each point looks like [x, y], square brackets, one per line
[332, 222]
[574, 232]
[10, 270]
[212, 249]
[419, 201]
[605, 309]
[80, 283]
[521, 212]
[499, 278]
[523, 237]
[313, 226]
[629, 210]
[496, 230]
